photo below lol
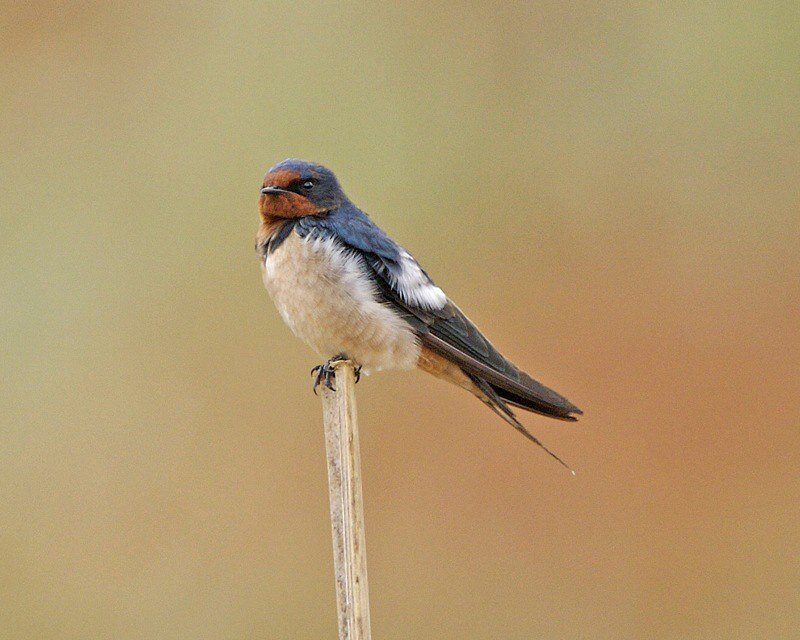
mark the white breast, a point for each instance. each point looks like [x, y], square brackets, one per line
[323, 293]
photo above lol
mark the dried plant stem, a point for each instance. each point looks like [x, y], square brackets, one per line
[347, 505]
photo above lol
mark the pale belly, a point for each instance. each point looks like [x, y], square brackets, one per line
[326, 299]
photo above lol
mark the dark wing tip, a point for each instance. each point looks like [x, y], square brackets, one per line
[572, 409]
[532, 395]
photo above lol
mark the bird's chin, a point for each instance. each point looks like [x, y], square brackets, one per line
[286, 205]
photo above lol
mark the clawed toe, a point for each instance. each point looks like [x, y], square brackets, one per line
[324, 373]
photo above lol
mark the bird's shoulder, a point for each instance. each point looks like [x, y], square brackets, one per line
[353, 228]
[394, 270]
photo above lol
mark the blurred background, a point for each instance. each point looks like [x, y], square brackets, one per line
[610, 190]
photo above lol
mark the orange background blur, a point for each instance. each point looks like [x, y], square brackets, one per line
[610, 190]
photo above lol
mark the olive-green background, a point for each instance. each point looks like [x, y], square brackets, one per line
[610, 190]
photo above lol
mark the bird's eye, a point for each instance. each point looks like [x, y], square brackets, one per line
[308, 184]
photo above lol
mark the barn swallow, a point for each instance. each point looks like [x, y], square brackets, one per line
[352, 293]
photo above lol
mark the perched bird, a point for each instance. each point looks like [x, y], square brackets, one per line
[351, 292]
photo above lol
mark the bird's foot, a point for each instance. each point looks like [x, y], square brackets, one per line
[325, 373]
[357, 372]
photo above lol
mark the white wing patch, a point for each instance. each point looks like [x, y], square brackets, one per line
[415, 287]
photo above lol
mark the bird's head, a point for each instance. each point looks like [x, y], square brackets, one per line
[295, 188]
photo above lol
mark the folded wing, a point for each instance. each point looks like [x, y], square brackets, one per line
[440, 324]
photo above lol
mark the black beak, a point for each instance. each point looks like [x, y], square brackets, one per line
[273, 190]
